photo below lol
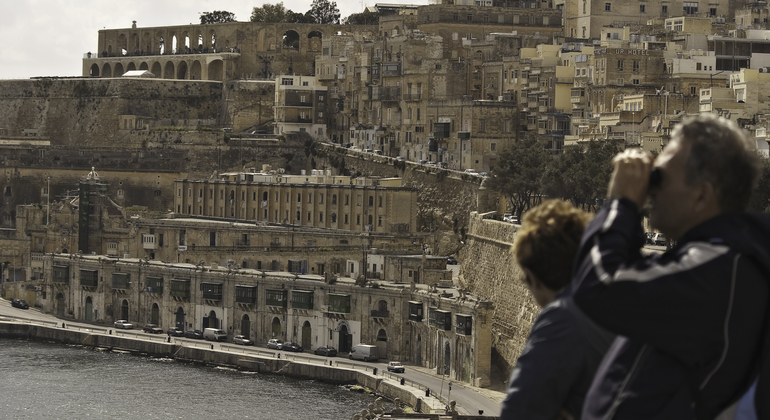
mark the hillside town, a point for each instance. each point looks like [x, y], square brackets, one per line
[308, 181]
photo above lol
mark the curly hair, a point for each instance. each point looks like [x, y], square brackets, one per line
[548, 241]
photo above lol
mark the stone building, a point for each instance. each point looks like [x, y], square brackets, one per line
[217, 52]
[300, 106]
[446, 331]
[584, 19]
[318, 199]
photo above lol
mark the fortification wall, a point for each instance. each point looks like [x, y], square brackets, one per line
[84, 112]
[488, 269]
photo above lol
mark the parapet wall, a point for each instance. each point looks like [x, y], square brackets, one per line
[489, 271]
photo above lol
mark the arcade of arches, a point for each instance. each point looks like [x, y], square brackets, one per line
[198, 68]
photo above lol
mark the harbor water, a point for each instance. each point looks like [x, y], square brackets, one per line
[53, 381]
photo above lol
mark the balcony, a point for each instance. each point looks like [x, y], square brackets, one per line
[380, 314]
[412, 97]
[298, 120]
[578, 99]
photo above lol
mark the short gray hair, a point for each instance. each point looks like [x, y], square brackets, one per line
[720, 154]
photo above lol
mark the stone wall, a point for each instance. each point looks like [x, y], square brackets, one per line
[488, 269]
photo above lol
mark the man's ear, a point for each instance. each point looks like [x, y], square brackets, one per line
[706, 198]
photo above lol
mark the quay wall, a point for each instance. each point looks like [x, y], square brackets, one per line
[103, 338]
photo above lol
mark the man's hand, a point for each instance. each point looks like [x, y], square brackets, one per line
[631, 176]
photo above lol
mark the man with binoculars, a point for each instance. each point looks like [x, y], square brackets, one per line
[692, 322]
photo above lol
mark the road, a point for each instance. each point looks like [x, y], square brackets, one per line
[469, 399]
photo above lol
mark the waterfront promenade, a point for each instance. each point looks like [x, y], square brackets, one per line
[409, 387]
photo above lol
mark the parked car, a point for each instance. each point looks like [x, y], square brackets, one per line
[122, 323]
[196, 334]
[274, 343]
[400, 158]
[19, 303]
[451, 260]
[396, 367]
[327, 351]
[659, 239]
[241, 339]
[175, 332]
[291, 346]
[471, 171]
[422, 162]
[152, 329]
[483, 174]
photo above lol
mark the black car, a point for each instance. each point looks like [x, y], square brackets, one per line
[175, 332]
[196, 334]
[327, 351]
[451, 260]
[19, 303]
[291, 346]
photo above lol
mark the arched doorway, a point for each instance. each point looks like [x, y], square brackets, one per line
[119, 70]
[94, 70]
[156, 70]
[345, 342]
[195, 70]
[275, 328]
[447, 357]
[60, 305]
[168, 72]
[181, 72]
[306, 335]
[131, 67]
[216, 70]
[89, 309]
[382, 342]
[106, 70]
[179, 321]
[124, 309]
[418, 355]
[211, 321]
[155, 314]
[246, 326]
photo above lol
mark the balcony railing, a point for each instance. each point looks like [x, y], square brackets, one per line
[380, 314]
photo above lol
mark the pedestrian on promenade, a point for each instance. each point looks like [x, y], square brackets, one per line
[564, 348]
[690, 321]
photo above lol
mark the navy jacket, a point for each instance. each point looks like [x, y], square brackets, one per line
[557, 364]
[694, 317]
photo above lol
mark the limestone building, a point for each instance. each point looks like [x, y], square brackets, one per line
[446, 331]
[318, 199]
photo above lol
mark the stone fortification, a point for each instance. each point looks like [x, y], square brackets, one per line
[85, 112]
[489, 271]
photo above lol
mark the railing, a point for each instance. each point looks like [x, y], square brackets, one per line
[180, 51]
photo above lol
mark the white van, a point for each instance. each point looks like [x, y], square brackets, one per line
[214, 334]
[365, 352]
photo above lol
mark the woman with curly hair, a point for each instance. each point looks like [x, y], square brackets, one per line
[564, 348]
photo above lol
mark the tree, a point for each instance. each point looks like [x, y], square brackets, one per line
[364, 18]
[518, 173]
[581, 174]
[217, 16]
[324, 12]
[277, 13]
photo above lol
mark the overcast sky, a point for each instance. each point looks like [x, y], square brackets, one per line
[49, 37]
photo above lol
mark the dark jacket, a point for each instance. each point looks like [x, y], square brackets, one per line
[694, 316]
[557, 365]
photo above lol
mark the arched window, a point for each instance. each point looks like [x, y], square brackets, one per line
[334, 199]
[334, 217]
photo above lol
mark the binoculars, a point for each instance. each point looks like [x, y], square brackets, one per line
[656, 177]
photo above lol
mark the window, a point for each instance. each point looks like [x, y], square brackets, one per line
[664, 10]
[334, 199]
[470, 17]
[607, 7]
[455, 17]
[620, 65]
[287, 81]
[692, 90]
[358, 219]
[371, 200]
[641, 8]
[698, 66]
[636, 66]
[492, 146]
[347, 199]
[635, 81]
[690, 7]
